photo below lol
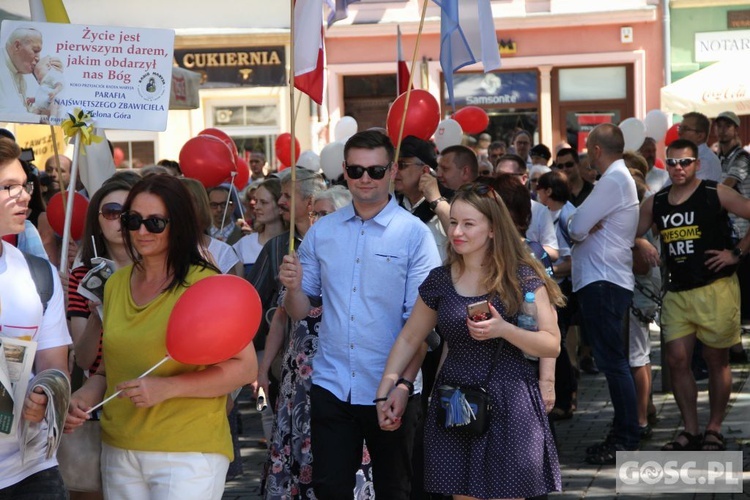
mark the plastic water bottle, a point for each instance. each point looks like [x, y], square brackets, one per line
[527, 317]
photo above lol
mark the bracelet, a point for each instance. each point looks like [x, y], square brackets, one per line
[433, 204]
[408, 383]
[379, 400]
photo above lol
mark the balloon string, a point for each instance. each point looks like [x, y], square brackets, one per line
[226, 206]
[411, 80]
[113, 396]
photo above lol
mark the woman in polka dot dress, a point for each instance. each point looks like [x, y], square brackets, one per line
[516, 456]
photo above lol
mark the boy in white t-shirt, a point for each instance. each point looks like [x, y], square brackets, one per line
[22, 316]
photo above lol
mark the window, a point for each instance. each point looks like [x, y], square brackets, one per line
[136, 154]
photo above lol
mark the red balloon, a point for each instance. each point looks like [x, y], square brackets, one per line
[219, 134]
[284, 149]
[56, 214]
[213, 320]
[473, 119]
[118, 155]
[422, 117]
[207, 159]
[672, 134]
[243, 174]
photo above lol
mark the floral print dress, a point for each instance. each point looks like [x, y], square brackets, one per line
[290, 456]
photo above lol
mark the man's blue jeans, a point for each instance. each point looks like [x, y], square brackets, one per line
[603, 309]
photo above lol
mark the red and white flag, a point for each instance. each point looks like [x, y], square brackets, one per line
[403, 71]
[309, 49]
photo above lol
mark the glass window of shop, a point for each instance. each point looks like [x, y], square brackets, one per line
[586, 97]
[253, 127]
[368, 97]
[510, 98]
[135, 154]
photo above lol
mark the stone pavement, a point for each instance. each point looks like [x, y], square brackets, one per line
[587, 427]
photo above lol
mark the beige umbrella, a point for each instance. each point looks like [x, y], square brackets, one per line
[723, 86]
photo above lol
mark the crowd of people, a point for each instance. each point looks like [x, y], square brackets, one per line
[373, 373]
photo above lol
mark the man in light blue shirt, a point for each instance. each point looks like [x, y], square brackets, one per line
[367, 261]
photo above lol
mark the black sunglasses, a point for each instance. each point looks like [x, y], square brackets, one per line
[111, 211]
[376, 172]
[479, 188]
[567, 164]
[683, 162]
[132, 222]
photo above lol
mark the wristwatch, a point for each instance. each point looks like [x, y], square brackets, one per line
[737, 252]
[408, 383]
[433, 204]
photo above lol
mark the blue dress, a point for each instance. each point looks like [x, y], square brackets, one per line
[516, 457]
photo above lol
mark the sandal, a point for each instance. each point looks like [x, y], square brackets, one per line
[606, 455]
[694, 443]
[718, 445]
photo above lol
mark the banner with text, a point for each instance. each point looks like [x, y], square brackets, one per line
[121, 76]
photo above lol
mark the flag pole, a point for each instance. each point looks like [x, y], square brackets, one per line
[69, 206]
[293, 166]
[411, 79]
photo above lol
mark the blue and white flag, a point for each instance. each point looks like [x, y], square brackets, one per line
[467, 36]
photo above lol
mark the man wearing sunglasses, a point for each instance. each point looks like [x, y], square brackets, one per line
[695, 127]
[569, 164]
[702, 299]
[417, 159]
[366, 260]
[24, 318]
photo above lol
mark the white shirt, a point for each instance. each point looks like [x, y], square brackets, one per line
[542, 228]
[710, 164]
[606, 255]
[22, 317]
[436, 228]
[248, 248]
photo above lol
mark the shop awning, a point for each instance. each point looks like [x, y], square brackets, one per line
[185, 85]
[723, 86]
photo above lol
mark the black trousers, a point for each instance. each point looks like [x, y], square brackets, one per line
[338, 430]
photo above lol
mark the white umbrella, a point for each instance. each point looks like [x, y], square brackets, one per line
[723, 86]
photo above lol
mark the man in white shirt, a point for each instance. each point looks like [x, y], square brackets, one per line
[24, 317]
[603, 229]
[695, 127]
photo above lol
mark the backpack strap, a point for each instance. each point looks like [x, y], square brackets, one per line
[41, 273]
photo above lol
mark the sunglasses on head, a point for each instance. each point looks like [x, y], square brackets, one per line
[567, 164]
[479, 188]
[132, 222]
[376, 172]
[111, 211]
[683, 162]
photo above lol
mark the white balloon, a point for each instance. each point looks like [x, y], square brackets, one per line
[657, 124]
[309, 160]
[448, 133]
[345, 128]
[635, 133]
[332, 160]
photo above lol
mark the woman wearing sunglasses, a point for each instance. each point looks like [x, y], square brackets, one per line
[487, 261]
[101, 238]
[167, 434]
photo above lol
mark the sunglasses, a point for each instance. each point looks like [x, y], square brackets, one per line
[215, 205]
[376, 172]
[683, 162]
[479, 188]
[567, 164]
[403, 165]
[132, 222]
[111, 211]
[317, 215]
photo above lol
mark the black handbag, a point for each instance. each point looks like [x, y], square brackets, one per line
[466, 408]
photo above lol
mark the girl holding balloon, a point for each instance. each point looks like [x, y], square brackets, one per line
[167, 434]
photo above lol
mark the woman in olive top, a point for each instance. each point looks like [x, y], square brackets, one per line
[167, 435]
